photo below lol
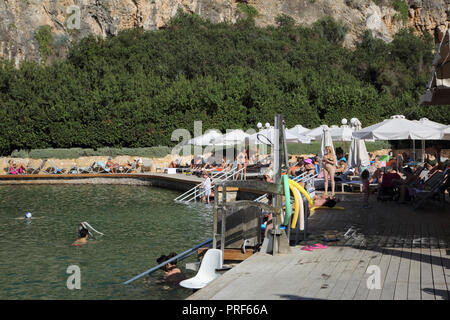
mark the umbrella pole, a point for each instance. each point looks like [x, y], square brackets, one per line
[414, 150]
[423, 150]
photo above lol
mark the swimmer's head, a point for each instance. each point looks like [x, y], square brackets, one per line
[28, 215]
[82, 230]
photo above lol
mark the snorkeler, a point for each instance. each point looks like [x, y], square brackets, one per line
[83, 234]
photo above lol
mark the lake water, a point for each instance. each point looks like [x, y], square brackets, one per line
[139, 222]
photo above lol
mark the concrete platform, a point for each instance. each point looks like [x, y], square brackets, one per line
[410, 248]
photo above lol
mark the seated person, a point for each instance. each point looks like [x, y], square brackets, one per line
[389, 182]
[175, 163]
[309, 167]
[113, 166]
[172, 274]
[410, 181]
[342, 167]
[16, 168]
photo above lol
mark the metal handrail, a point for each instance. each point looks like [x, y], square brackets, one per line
[180, 256]
[183, 196]
[231, 174]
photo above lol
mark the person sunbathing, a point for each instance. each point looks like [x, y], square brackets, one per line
[15, 168]
[113, 166]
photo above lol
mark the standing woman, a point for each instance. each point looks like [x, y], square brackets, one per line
[329, 168]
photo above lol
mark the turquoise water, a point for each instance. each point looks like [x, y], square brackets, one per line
[140, 223]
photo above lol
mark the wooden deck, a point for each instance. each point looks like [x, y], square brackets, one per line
[410, 247]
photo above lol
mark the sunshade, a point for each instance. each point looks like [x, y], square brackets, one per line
[398, 128]
[205, 139]
[358, 156]
[233, 137]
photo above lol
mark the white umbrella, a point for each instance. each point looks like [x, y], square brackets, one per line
[299, 130]
[316, 133]
[260, 137]
[358, 155]
[326, 141]
[343, 133]
[231, 138]
[432, 124]
[206, 139]
[398, 128]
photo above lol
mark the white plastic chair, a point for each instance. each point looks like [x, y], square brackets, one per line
[207, 272]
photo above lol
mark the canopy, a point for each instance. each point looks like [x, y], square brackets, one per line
[316, 133]
[259, 137]
[398, 128]
[236, 136]
[206, 139]
[432, 124]
[358, 156]
[299, 130]
[438, 89]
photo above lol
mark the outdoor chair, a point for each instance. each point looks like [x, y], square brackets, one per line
[146, 165]
[133, 167]
[89, 169]
[207, 271]
[433, 187]
[36, 170]
[100, 167]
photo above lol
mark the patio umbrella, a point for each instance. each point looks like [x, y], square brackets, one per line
[342, 133]
[358, 156]
[236, 136]
[326, 141]
[432, 124]
[398, 128]
[438, 89]
[299, 130]
[316, 133]
[205, 139]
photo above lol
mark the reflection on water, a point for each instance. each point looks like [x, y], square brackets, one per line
[140, 223]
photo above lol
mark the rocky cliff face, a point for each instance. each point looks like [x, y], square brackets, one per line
[69, 19]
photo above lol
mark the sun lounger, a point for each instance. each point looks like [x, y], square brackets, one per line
[100, 167]
[432, 187]
[146, 165]
[54, 169]
[36, 170]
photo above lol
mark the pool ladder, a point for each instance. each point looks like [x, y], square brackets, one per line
[197, 192]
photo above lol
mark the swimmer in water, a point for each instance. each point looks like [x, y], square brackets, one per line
[172, 274]
[83, 234]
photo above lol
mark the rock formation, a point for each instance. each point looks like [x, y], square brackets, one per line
[73, 19]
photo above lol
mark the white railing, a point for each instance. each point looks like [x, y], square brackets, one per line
[197, 192]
